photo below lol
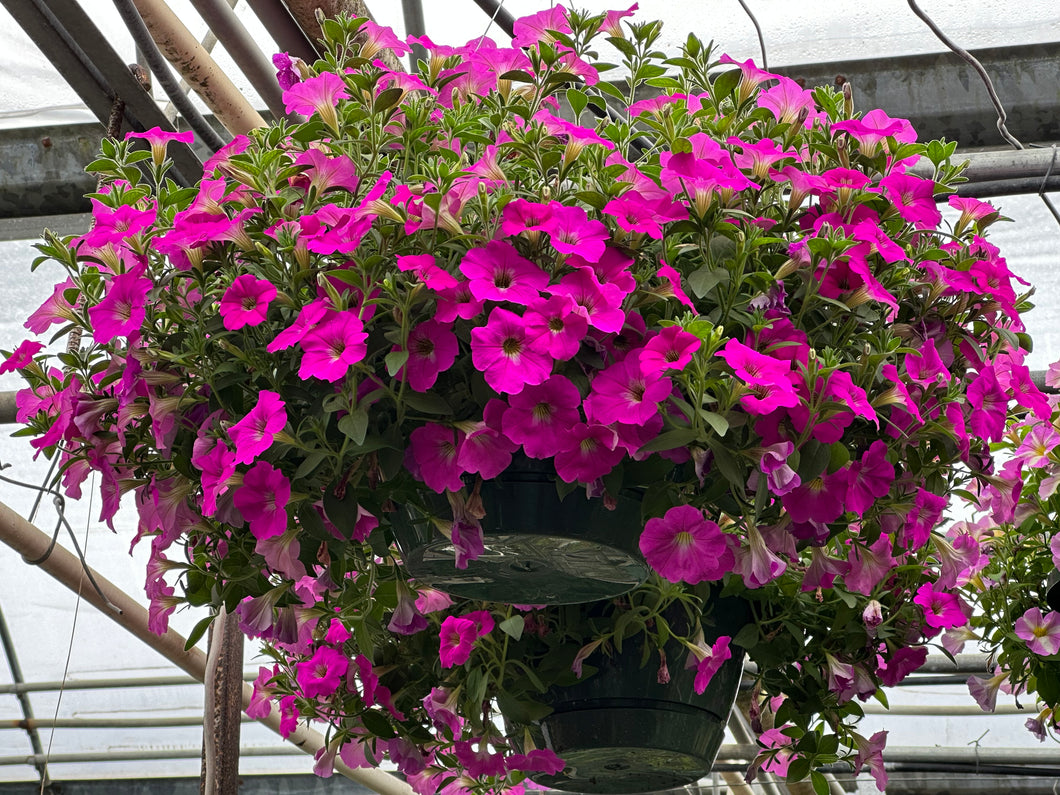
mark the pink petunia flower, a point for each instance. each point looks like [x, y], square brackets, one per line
[504, 352]
[623, 393]
[708, 661]
[555, 325]
[262, 499]
[458, 636]
[432, 457]
[670, 349]
[246, 302]
[123, 308]
[592, 451]
[321, 675]
[432, 349]
[317, 95]
[1042, 633]
[253, 434]
[499, 273]
[684, 546]
[330, 349]
[941, 609]
[540, 417]
[159, 139]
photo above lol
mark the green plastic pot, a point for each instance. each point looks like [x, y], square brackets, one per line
[620, 731]
[539, 549]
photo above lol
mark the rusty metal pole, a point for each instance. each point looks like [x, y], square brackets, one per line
[223, 707]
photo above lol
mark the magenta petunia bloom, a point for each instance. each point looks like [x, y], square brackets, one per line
[555, 325]
[536, 760]
[262, 499]
[670, 349]
[592, 451]
[22, 356]
[321, 674]
[623, 393]
[504, 352]
[1042, 633]
[432, 457]
[685, 546]
[253, 434]
[869, 565]
[572, 232]
[317, 95]
[426, 268]
[432, 349]
[708, 661]
[941, 609]
[458, 636]
[159, 139]
[332, 347]
[533, 29]
[116, 224]
[768, 377]
[216, 465]
[670, 274]
[990, 402]
[635, 213]
[922, 518]
[56, 309]
[913, 198]
[499, 273]
[870, 478]
[246, 302]
[540, 417]
[123, 308]
[820, 500]
[486, 450]
[600, 303]
[780, 477]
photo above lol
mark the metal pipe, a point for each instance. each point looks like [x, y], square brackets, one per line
[23, 701]
[197, 67]
[412, 11]
[142, 36]
[104, 723]
[64, 566]
[140, 755]
[105, 684]
[926, 755]
[283, 29]
[224, 23]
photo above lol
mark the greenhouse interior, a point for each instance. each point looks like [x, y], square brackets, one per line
[101, 690]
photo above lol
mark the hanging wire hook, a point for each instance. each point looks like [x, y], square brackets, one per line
[974, 63]
[60, 506]
[496, 11]
[758, 30]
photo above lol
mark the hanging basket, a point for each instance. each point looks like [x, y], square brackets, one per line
[539, 549]
[620, 731]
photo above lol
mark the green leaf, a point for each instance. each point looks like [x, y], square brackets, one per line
[513, 627]
[670, 440]
[386, 98]
[355, 425]
[517, 76]
[725, 83]
[799, 769]
[704, 279]
[577, 100]
[716, 421]
[377, 724]
[838, 456]
[198, 631]
[395, 360]
[820, 783]
[1049, 682]
[428, 402]
[521, 711]
[311, 462]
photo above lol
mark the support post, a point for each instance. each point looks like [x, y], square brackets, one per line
[223, 708]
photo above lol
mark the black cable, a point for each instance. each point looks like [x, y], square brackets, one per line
[502, 16]
[758, 30]
[131, 17]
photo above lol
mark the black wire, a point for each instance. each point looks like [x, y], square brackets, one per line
[758, 30]
[131, 17]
